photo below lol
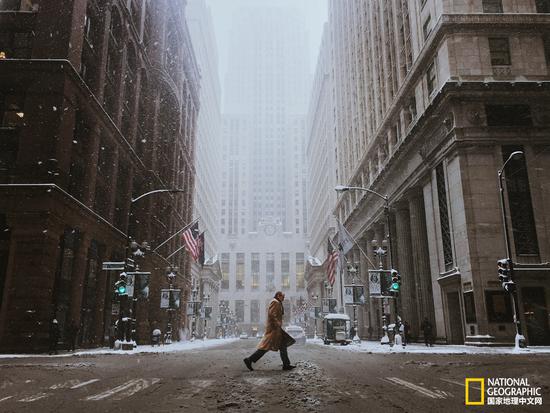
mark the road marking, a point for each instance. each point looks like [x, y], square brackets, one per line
[199, 385]
[126, 389]
[141, 384]
[5, 398]
[35, 397]
[415, 387]
[65, 384]
[79, 385]
[461, 384]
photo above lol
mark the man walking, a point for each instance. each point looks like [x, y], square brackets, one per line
[275, 338]
[427, 329]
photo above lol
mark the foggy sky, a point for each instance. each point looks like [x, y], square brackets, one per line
[315, 12]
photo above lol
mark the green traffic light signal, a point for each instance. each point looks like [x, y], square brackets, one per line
[121, 289]
[395, 286]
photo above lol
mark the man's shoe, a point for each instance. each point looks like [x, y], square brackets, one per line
[289, 367]
[248, 364]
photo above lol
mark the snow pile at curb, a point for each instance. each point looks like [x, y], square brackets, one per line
[377, 348]
[176, 346]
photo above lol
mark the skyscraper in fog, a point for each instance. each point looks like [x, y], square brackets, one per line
[263, 220]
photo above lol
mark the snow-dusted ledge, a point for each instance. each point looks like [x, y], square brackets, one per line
[176, 346]
[376, 347]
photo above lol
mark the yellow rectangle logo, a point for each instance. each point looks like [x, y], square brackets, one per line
[481, 401]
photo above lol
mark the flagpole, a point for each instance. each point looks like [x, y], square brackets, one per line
[178, 232]
[356, 243]
[176, 251]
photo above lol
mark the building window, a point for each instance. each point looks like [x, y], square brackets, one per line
[270, 271]
[444, 218]
[499, 307]
[224, 261]
[239, 311]
[519, 198]
[499, 48]
[300, 270]
[543, 6]
[255, 267]
[508, 115]
[12, 114]
[240, 271]
[492, 6]
[254, 311]
[427, 27]
[285, 269]
[469, 307]
[546, 44]
[431, 78]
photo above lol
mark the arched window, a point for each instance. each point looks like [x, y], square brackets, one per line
[130, 84]
[113, 65]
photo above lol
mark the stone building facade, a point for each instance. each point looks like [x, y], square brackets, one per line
[431, 97]
[98, 104]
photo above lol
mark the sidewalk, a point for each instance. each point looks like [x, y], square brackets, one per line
[176, 346]
[376, 347]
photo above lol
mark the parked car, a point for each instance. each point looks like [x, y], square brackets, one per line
[243, 335]
[297, 334]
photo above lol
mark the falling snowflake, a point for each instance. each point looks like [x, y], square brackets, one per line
[54, 108]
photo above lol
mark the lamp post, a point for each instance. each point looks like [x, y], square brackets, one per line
[342, 188]
[352, 272]
[380, 251]
[315, 297]
[194, 295]
[519, 341]
[205, 300]
[137, 251]
[171, 273]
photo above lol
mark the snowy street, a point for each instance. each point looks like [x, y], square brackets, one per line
[196, 378]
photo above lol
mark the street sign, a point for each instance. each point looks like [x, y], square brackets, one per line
[380, 283]
[130, 283]
[354, 295]
[170, 298]
[141, 283]
[113, 266]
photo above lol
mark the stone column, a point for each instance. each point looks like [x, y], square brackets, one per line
[407, 296]
[421, 258]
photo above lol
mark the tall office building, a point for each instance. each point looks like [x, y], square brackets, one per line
[263, 221]
[207, 157]
[98, 104]
[431, 99]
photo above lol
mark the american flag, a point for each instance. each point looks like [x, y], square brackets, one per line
[332, 259]
[191, 239]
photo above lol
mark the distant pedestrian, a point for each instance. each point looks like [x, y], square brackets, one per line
[407, 331]
[54, 336]
[427, 329]
[369, 331]
[72, 332]
[156, 337]
[352, 332]
[275, 338]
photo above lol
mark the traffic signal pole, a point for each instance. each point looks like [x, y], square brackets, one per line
[519, 341]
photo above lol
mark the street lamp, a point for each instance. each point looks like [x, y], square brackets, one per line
[520, 338]
[352, 271]
[138, 251]
[315, 297]
[205, 300]
[171, 274]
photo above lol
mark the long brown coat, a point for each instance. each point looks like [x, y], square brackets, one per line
[274, 334]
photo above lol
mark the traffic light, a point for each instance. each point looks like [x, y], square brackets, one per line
[120, 285]
[395, 282]
[505, 274]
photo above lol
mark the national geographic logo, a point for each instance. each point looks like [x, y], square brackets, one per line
[501, 391]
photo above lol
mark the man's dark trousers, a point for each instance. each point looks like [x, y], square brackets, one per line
[283, 351]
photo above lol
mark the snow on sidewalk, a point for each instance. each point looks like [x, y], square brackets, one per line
[176, 346]
[377, 348]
